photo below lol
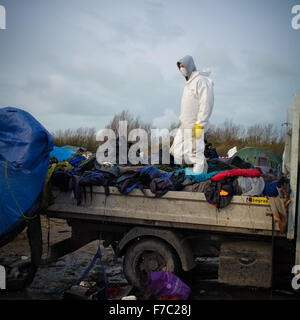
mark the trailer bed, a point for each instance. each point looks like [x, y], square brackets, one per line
[176, 209]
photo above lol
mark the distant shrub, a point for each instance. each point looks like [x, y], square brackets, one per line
[81, 137]
[223, 137]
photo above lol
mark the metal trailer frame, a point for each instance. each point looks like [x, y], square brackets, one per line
[291, 170]
[296, 183]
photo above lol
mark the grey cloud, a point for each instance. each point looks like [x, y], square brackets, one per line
[98, 90]
[221, 62]
[268, 66]
[145, 27]
[86, 61]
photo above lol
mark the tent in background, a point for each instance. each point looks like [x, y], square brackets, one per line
[261, 157]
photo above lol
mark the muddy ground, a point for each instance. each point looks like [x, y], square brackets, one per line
[62, 273]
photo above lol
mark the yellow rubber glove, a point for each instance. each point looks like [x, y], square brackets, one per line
[198, 131]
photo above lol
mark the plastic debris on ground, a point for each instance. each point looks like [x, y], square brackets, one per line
[164, 285]
[91, 290]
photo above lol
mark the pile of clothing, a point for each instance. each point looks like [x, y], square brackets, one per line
[219, 185]
[82, 171]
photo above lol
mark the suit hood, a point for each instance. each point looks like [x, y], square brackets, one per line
[189, 64]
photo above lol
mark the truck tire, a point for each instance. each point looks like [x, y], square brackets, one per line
[147, 255]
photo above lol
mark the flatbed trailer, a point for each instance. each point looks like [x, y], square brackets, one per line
[168, 233]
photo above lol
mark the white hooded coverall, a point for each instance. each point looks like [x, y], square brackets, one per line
[196, 107]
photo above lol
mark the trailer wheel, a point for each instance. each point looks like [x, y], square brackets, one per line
[144, 256]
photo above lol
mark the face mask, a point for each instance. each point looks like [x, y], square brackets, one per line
[183, 71]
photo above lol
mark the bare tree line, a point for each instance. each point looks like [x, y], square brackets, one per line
[222, 136]
[254, 134]
[132, 122]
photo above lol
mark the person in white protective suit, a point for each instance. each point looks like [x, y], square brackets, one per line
[196, 108]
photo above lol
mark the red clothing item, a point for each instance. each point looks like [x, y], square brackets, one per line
[250, 173]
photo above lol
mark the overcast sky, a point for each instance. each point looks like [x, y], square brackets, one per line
[74, 63]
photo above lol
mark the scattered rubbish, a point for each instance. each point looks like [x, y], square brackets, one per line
[76, 293]
[114, 291]
[14, 273]
[285, 292]
[92, 290]
[231, 152]
[201, 259]
[87, 284]
[86, 290]
[129, 298]
[24, 258]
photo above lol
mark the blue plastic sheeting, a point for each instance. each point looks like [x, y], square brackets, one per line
[72, 148]
[25, 146]
[61, 153]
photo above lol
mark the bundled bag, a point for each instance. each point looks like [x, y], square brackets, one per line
[140, 179]
[166, 285]
[240, 163]
[219, 193]
[113, 169]
[218, 165]
[61, 179]
[271, 189]
[251, 186]
[199, 177]
[88, 164]
[167, 182]
[250, 173]
[76, 161]
[96, 178]
[197, 187]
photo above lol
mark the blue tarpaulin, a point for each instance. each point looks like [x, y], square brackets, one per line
[25, 146]
[61, 153]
